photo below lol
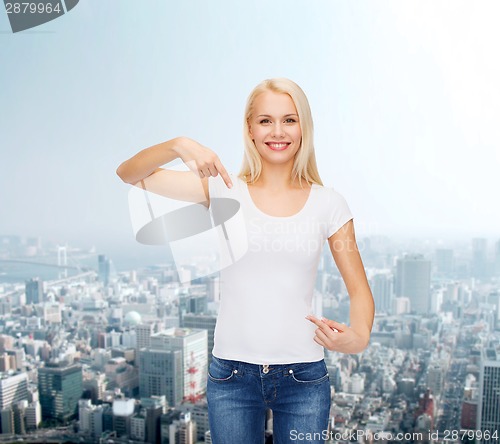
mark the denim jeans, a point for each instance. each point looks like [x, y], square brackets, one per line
[239, 394]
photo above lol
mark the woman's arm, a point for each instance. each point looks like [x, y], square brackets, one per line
[147, 161]
[340, 337]
[143, 170]
[200, 159]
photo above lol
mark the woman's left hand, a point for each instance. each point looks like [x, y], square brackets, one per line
[339, 337]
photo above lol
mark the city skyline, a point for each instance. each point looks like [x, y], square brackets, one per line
[136, 345]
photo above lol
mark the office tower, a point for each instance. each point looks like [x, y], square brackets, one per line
[153, 418]
[193, 345]
[183, 430]
[13, 389]
[480, 258]
[104, 269]
[382, 290]
[488, 411]
[160, 373]
[123, 409]
[193, 303]
[444, 261]
[199, 414]
[413, 280]
[33, 414]
[7, 421]
[50, 312]
[138, 426]
[60, 386]
[435, 378]
[34, 291]
[426, 407]
[204, 322]
[496, 259]
[143, 334]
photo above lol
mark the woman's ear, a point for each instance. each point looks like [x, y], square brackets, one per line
[249, 128]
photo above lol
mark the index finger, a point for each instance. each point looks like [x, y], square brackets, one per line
[318, 322]
[223, 173]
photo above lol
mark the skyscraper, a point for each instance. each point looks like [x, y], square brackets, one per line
[382, 291]
[480, 263]
[413, 280]
[193, 345]
[60, 387]
[104, 269]
[444, 261]
[205, 322]
[13, 389]
[34, 291]
[160, 373]
[488, 411]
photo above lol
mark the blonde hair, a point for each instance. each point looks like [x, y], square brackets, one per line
[304, 165]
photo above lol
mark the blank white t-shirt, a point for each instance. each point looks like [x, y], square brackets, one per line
[266, 294]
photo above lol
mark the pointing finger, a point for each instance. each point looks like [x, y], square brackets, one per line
[223, 173]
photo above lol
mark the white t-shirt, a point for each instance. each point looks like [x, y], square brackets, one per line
[266, 294]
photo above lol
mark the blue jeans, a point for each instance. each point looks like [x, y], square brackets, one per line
[239, 394]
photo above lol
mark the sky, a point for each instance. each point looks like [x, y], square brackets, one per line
[405, 99]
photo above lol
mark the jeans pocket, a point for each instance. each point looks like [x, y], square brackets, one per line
[219, 372]
[312, 373]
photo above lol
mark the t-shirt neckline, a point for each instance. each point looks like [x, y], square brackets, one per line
[304, 207]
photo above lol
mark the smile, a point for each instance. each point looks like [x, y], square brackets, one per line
[277, 146]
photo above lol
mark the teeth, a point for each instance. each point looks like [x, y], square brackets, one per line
[278, 145]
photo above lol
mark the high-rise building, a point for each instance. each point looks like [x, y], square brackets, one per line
[488, 411]
[204, 322]
[138, 426]
[413, 280]
[496, 267]
[382, 292]
[104, 269]
[34, 291]
[7, 421]
[33, 414]
[143, 334]
[183, 430]
[153, 418]
[123, 409]
[480, 263]
[60, 387]
[13, 389]
[193, 345]
[160, 373]
[444, 261]
[199, 414]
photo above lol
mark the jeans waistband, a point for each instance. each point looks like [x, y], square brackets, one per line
[268, 369]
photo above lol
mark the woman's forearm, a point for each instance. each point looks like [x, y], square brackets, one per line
[145, 162]
[362, 310]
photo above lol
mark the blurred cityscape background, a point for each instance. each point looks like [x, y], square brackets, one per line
[92, 352]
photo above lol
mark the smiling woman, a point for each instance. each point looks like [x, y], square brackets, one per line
[268, 348]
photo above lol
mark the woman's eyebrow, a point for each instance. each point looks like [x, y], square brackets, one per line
[286, 115]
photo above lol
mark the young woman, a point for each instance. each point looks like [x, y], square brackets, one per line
[268, 347]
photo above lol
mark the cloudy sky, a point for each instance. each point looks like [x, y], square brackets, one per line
[405, 98]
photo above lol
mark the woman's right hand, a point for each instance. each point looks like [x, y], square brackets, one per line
[201, 160]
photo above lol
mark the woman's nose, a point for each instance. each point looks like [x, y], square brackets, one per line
[278, 131]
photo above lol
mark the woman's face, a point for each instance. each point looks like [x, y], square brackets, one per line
[275, 128]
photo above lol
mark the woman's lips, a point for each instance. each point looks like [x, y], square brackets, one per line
[278, 146]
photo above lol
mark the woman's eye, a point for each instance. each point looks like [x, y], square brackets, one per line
[290, 120]
[265, 121]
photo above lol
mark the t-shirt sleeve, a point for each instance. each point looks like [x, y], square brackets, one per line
[340, 212]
